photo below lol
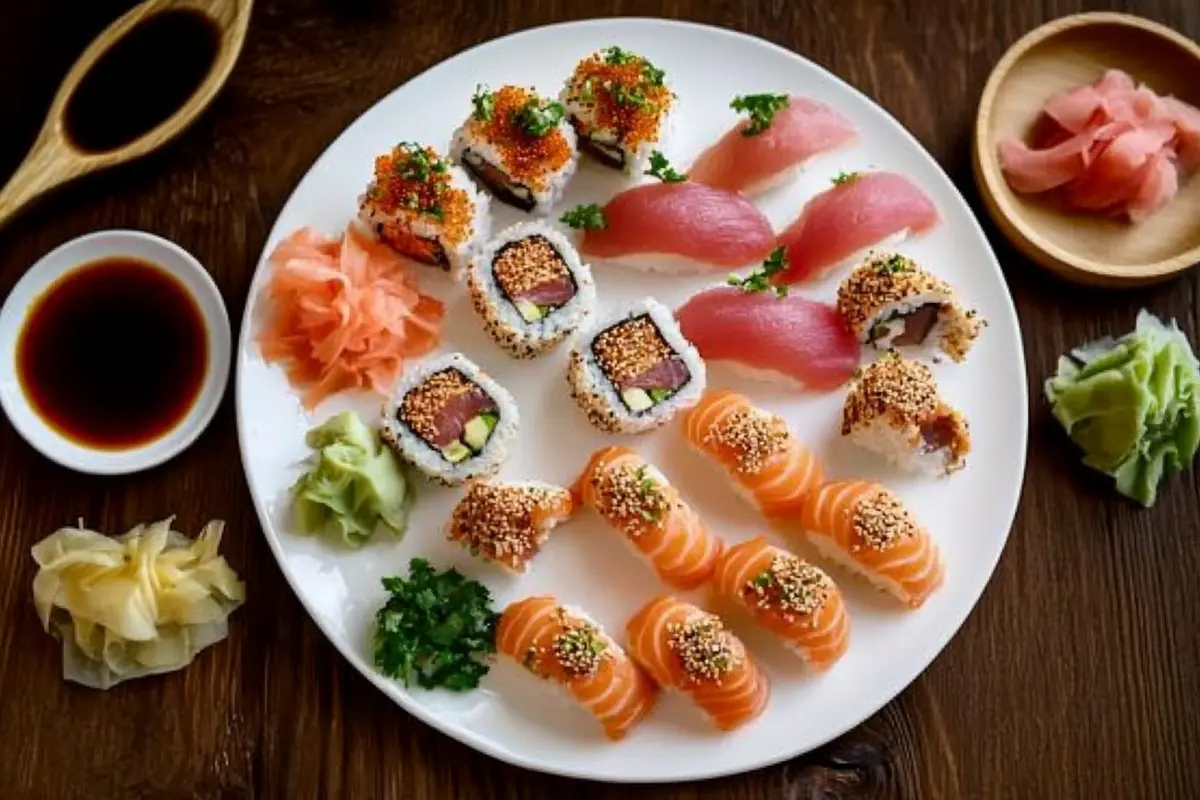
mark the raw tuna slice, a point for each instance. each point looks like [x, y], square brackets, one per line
[753, 164]
[857, 213]
[676, 227]
[789, 338]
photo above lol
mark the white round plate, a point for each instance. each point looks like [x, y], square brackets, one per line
[76, 253]
[584, 563]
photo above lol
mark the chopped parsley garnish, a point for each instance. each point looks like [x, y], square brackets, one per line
[587, 92]
[893, 264]
[844, 177]
[615, 55]
[484, 102]
[629, 97]
[762, 108]
[661, 168]
[654, 75]
[760, 279]
[436, 628]
[588, 218]
[538, 119]
[648, 489]
[417, 165]
[763, 580]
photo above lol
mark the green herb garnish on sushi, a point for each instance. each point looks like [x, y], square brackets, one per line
[1132, 405]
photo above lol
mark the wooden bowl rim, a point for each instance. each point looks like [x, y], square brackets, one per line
[991, 181]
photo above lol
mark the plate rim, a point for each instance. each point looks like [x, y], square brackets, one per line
[397, 694]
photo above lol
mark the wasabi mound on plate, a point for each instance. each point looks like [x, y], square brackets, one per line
[143, 603]
[1132, 405]
[353, 484]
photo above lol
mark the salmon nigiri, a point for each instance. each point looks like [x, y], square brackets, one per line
[688, 649]
[860, 211]
[751, 159]
[558, 644]
[767, 464]
[788, 596]
[866, 528]
[637, 499]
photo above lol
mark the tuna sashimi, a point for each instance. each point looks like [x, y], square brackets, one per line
[858, 212]
[1112, 146]
[752, 163]
[790, 337]
[684, 225]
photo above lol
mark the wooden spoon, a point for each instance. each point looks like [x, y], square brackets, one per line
[1081, 247]
[54, 159]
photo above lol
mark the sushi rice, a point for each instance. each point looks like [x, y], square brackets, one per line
[428, 459]
[600, 400]
[502, 321]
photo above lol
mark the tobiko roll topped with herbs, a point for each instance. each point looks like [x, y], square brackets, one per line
[424, 207]
[620, 106]
[519, 146]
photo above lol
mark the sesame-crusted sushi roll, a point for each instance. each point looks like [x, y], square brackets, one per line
[425, 208]
[890, 302]
[632, 370]
[620, 106]
[518, 145]
[450, 420]
[507, 523]
[531, 289]
[893, 409]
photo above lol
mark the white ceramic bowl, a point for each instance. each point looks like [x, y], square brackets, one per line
[77, 253]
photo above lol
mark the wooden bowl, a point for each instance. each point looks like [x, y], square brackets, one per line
[1061, 54]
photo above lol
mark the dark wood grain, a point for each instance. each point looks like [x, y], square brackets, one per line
[1076, 676]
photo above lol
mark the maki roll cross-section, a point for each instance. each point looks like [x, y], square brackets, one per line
[451, 421]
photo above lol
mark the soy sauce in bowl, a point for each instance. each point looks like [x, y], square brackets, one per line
[113, 354]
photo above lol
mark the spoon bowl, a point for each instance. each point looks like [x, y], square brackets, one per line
[1067, 52]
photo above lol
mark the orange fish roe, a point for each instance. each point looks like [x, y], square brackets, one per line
[628, 97]
[413, 181]
[527, 158]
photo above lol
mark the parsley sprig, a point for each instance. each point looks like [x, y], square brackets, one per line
[417, 165]
[539, 118]
[762, 108]
[760, 279]
[437, 628]
[587, 217]
[844, 177]
[661, 168]
[484, 102]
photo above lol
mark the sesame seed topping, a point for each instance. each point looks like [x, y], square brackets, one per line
[883, 280]
[632, 497]
[528, 158]
[881, 521]
[580, 649]
[790, 585]
[496, 520]
[705, 649]
[630, 349]
[900, 388]
[528, 263]
[421, 405]
[752, 435]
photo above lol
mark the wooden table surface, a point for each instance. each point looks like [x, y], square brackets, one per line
[1076, 676]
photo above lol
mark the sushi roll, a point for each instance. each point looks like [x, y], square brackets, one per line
[866, 529]
[451, 421]
[620, 106]
[531, 289]
[757, 452]
[563, 646]
[507, 523]
[425, 208]
[638, 501]
[893, 409]
[688, 650]
[789, 597]
[890, 302]
[632, 371]
[519, 146]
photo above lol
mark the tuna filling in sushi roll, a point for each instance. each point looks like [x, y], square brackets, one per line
[519, 146]
[636, 359]
[533, 277]
[619, 105]
[424, 208]
[451, 414]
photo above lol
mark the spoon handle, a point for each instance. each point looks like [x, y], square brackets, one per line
[54, 159]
